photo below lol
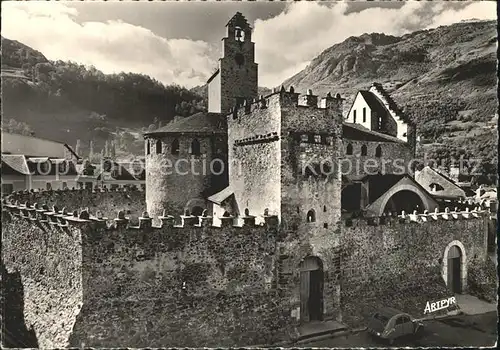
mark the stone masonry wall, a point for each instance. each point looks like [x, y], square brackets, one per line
[399, 263]
[205, 286]
[173, 180]
[108, 202]
[254, 156]
[48, 259]
[394, 160]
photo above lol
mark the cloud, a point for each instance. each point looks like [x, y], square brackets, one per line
[112, 46]
[286, 43]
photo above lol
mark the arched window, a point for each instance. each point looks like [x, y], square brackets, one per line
[195, 147]
[378, 151]
[175, 147]
[311, 216]
[158, 147]
[349, 149]
[364, 150]
[324, 208]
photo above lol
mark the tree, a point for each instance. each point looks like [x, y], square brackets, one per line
[78, 147]
[112, 151]
[91, 150]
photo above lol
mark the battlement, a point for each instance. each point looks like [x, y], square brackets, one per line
[286, 99]
[414, 217]
[45, 217]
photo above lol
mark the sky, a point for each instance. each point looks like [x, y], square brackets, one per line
[179, 42]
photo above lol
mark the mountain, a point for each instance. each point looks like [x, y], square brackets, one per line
[443, 78]
[67, 102]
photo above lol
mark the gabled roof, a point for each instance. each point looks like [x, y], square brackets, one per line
[199, 123]
[428, 176]
[16, 163]
[34, 146]
[374, 103]
[352, 131]
[238, 19]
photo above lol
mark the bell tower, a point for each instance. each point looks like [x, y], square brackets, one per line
[236, 78]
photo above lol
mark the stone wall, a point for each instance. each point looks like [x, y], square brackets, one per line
[88, 283]
[254, 156]
[173, 180]
[48, 259]
[108, 203]
[400, 263]
[205, 286]
[395, 159]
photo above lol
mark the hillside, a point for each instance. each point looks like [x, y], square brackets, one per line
[202, 90]
[443, 78]
[67, 102]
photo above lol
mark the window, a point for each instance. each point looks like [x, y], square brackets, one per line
[175, 147]
[378, 151]
[402, 320]
[7, 189]
[364, 150]
[158, 147]
[436, 187]
[324, 208]
[354, 117]
[311, 216]
[380, 123]
[239, 34]
[63, 167]
[45, 168]
[317, 138]
[349, 149]
[195, 147]
[364, 114]
[48, 186]
[64, 185]
[147, 147]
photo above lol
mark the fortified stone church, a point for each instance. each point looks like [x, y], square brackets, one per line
[294, 155]
[288, 229]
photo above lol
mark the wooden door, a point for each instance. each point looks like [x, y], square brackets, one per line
[311, 289]
[454, 270]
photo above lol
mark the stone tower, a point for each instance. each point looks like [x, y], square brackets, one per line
[236, 78]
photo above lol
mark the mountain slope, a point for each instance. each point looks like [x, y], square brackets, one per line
[442, 78]
[65, 101]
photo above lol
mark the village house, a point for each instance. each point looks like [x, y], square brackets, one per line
[32, 163]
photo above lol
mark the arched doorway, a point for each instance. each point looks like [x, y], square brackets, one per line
[404, 200]
[454, 278]
[311, 289]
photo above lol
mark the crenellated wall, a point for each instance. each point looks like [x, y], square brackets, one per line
[107, 202]
[90, 282]
[402, 262]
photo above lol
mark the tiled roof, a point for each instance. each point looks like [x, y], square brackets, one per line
[15, 162]
[349, 130]
[199, 123]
